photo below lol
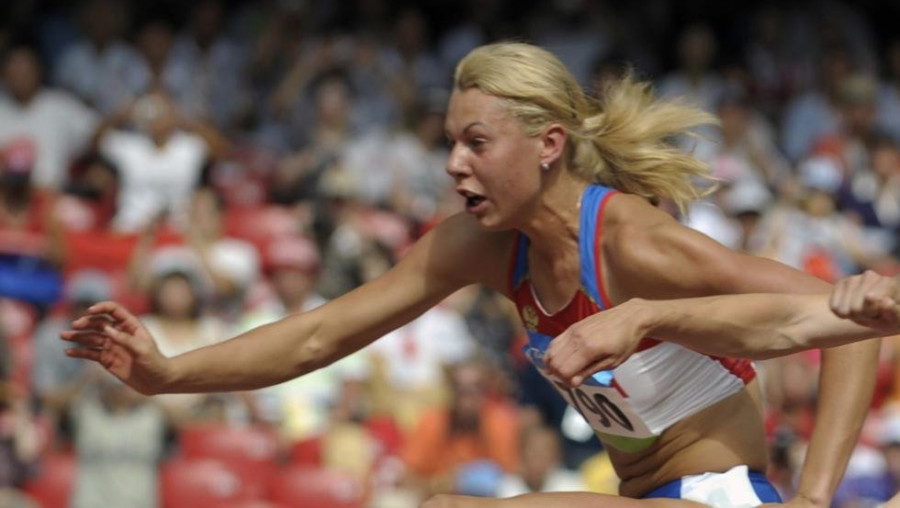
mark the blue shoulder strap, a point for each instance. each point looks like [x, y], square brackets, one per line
[520, 269]
[590, 205]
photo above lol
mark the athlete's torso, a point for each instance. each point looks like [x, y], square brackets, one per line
[664, 401]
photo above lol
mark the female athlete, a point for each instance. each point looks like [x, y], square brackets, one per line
[558, 192]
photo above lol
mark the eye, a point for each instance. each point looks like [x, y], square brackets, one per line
[476, 143]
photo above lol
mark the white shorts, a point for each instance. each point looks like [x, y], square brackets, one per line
[737, 488]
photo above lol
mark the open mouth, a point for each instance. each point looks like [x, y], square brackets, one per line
[472, 199]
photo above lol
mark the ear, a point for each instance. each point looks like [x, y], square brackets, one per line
[553, 143]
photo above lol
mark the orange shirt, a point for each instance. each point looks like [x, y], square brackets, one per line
[431, 450]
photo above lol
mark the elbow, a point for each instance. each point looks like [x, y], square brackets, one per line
[785, 342]
[311, 355]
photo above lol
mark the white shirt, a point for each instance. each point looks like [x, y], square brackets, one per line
[58, 124]
[154, 178]
[415, 354]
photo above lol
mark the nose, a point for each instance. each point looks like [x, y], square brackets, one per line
[456, 163]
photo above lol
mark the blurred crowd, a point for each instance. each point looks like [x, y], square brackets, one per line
[218, 164]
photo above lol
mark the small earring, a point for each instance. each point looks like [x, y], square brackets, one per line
[545, 167]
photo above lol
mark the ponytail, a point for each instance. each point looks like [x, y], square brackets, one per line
[623, 140]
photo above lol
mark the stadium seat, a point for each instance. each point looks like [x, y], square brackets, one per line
[260, 224]
[188, 483]
[229, 443]
[53, 486]
[307, 452]
[308, 487]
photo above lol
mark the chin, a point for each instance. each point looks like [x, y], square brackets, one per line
[494, 222]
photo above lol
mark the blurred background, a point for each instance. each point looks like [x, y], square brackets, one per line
[217, 164]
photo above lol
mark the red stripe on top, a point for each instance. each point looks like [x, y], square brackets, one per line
[598, 252]
[740, 367]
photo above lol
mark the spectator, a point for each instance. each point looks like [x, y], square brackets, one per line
[26, 212]
[101, 69]
[579, 32]
[300, 408]
[91, 199]
[56, 123]
[815, 113]
[409, 62]
[292, 266]
[119, 441]
[873, 195]
[847, 144]
[778, 56]
[160, 163]
[323, 138]
[412, 360]
[810, 233]
[419, 155]
[541, 466]
[56, 378]
[227, 267]
[471, 429]
[31, 247]
[746, 148]
[19, 442]
[206, 69]
[180, 320]
[889, 92]
[695, 78]
[155, 39]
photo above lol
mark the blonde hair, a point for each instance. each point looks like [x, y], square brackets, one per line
[623, 140]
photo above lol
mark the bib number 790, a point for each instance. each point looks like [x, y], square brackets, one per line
[597, 404]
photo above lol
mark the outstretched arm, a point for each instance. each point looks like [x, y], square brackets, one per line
[296, 345]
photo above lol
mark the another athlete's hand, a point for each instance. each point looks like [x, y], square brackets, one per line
[868, 299]
[602, 341]
[111, 336]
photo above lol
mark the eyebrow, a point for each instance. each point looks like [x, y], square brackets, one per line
[466, 129]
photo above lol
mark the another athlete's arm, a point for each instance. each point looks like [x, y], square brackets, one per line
[297, 344]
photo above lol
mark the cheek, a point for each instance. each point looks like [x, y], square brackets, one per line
[514, 173]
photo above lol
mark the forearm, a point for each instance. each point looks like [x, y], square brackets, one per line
[754, 326]
[846, 382]
[261, 357]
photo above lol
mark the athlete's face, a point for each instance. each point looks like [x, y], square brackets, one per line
[495, 165]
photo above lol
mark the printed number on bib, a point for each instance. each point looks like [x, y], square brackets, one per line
[603, 406]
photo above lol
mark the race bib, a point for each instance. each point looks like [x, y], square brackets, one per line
[602, 405]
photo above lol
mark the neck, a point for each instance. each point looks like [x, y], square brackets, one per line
[553, 227]
[24, 99]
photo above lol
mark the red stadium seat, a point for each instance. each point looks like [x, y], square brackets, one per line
[53, 486]
[386, 433]
[233, 444]
[307, 452]
[306, 487]
[260, 224]
[203, 482]
[253, 503]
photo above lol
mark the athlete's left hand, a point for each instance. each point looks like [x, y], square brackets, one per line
[602, 341]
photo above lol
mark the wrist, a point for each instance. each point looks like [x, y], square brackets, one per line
[815, 500]
[170, 377]
[647, 315]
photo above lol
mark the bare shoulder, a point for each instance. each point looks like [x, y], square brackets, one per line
[634, 229]
[460, 248]
[648, 253]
